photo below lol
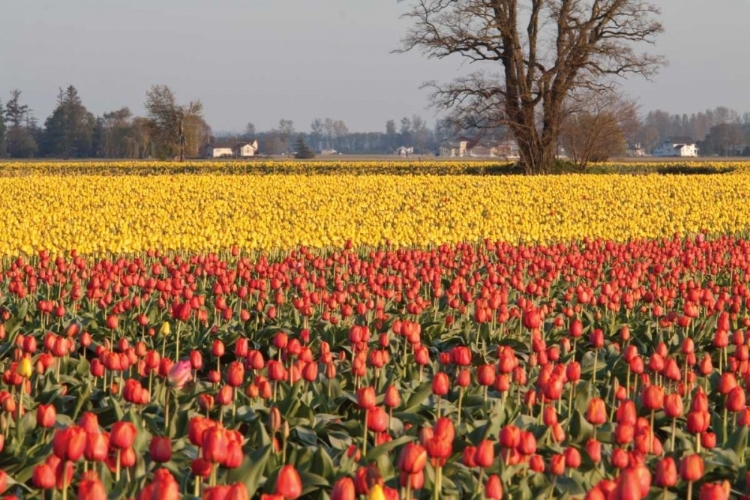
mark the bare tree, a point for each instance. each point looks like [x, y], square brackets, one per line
[597, 125]
[169, 119]
[531, 55]
[286, 129]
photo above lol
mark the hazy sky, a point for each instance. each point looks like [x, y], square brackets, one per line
[262, 60]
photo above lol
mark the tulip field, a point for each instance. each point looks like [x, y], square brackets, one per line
[236, 336]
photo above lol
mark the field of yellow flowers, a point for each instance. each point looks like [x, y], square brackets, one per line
[220, 334]
[208, 211]
[332, 167]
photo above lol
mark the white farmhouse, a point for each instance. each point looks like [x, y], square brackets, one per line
[219, 150]
[678, 146]
[248, 149]
[232, 150]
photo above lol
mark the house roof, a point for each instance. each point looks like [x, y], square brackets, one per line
[231, 144]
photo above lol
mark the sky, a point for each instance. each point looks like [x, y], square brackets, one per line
[262, 60]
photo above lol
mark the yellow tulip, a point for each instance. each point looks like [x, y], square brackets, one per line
[376, 493]
[164, 329]
[24, 367]
[121, 211]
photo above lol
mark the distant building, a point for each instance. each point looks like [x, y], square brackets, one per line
[248, 149]
[635, 150]
[225, 149]
[476, 148]
[676, 146]
[328, 152]
[403, 151]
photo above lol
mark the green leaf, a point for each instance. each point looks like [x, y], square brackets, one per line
[375, 452]
[250, 472]
[418, 397]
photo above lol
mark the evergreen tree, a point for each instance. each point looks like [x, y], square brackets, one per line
[18, 140]
[69, 131]
[303, 152]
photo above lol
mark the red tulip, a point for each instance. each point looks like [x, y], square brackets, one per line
[412, 459]
[46, 415]
[666, 473]
[653, 397]
[461, 356]
[343, 489]
[91, 488]
[288, 483]
[215, 444]
[366, 398]
[698, 422]
[485, 454]
[234, 455]
[572, 458]
[111, 322]
[160, 449]
[122, 435]
[441, 384]
[44, 477]
[715, 491]
[97, 446]
[235, 374]
[494, 488]
[691, 468]
[736, 400]
[594, 450]
[392, 397]
[557, 464]
[486, 375]
[510, 436]
[673, 405]
[597, 412]
[69, 443]
[377, 420]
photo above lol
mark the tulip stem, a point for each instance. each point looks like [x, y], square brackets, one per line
[364, 436]
[65, 480]
[166, 411]
[177, 347]
[596, 357]
[552, 490]
[438, 480]
[690, 490]
[117, 468]
[674, 429]
[651, 436]
[460, 402]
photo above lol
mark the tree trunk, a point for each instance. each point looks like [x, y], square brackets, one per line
[182, 140]
[537, 159]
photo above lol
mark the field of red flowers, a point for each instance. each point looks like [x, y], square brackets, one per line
[592, 370]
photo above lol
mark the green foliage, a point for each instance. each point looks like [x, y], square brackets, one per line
[303, 152]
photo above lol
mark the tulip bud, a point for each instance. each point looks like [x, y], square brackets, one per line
[441, 384]
[46, 415]
[485, 454]
[160, 449]
[288, 483]
[343, 489]
[691, 468]
[366, 398]
[597, 412]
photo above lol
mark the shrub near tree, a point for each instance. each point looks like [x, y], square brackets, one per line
[303, 152]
